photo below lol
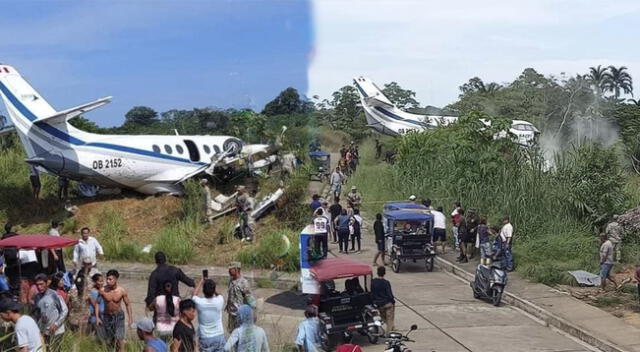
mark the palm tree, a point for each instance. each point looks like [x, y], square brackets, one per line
[634, 102]
[598, 78]
[618, 79]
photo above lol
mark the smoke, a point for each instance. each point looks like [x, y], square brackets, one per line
[589, 129]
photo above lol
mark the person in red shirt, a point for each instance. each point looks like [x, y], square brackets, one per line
[347, 346]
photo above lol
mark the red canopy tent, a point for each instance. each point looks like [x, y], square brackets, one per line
[37, 242]
[338, 268]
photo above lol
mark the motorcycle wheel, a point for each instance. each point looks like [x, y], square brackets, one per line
[372, 339]
[395, 264]
[429, 264]
[496, 297]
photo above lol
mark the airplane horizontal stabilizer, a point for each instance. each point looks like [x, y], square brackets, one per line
[6, 130]
[65, 115]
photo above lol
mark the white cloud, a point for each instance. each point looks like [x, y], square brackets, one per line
[432, 47]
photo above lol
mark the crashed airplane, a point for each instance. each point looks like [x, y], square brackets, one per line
[384, 117]
[149, 164]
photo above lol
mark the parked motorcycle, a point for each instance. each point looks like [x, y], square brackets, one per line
[489, 283]
[395, 342]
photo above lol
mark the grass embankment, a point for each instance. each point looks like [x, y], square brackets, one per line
[555, 213]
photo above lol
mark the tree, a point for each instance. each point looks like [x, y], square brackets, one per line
[476, 85]
[343, 111]
[141, 116]
[402, 98]
[288, 102]
[618, 79]
[598, 78]
[83, 124]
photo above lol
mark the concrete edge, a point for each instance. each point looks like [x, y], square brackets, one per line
[540, 313]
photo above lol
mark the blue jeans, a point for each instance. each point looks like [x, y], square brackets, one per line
[212, 344]
[508, 259]
[485, 250]
[605, 269]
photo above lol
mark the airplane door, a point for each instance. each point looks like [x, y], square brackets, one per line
[194, 154]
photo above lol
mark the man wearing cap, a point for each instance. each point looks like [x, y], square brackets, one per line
[335, 181]
[163, 273]
[27, 335]
[144, 329]
[412, 199]
[51, 312]
[239, 293]
[354, 198]
[243, 206]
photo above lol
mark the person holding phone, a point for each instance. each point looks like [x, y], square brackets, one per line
[209, 308]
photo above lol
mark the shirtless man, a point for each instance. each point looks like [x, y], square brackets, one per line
[113, 321]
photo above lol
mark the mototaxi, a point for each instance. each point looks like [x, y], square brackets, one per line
[350, 310]
[320, 165]
[409, 235]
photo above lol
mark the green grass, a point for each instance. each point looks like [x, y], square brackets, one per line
[176, 240]
[115, 237]
[604, 301]
[275, 245]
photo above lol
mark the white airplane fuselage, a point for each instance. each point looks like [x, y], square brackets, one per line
[384, 117]
[149, 164]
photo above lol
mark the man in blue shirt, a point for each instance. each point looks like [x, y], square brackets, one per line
[308, 337]
[342, 223]
[315, 203]
[383, 298]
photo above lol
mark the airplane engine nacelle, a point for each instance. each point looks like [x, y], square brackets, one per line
[53, 162]
[233, 145]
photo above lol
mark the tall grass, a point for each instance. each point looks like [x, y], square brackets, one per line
[115, 237]
[176, 239]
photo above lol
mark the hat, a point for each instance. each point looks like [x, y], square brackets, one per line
[353, 188]
[8, 304]
[235, 265]
[204, 181]
[87, 260]
[412, 197]
[145, 325]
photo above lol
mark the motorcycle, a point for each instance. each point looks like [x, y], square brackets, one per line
[395, 342]
[489, 283]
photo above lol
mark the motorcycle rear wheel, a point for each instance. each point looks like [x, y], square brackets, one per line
[429, 264]
[395, 264]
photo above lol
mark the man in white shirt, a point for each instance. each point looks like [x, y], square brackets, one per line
[439, 228]
[506, 235]
[27, 333]
[336, 180]
[321, 226]
[88, 246]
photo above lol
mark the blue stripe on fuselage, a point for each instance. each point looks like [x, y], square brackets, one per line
[75, 141]
[398, 118]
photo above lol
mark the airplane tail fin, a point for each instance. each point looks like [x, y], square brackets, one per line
[370, 93]
[24, 105]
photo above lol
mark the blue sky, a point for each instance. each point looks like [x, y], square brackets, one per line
[162, 54]
[240, 53]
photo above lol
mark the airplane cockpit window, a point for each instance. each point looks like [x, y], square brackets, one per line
[156, 149]
[179, 149]
[206, 149]
[523, 127]
[216, 148]
[167, 148]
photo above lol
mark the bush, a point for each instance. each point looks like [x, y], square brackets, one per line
[115, 238]
[276, 248]
[176, 240]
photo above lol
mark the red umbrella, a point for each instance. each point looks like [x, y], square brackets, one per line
[37, 242]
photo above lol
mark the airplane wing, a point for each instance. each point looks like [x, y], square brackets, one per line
[64, 115]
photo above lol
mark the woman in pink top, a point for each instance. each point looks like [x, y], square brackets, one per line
[166, 311]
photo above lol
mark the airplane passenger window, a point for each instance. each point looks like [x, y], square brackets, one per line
[206, 149]
[167, 148]
[179, 149]
[156, 149]
[216, 148]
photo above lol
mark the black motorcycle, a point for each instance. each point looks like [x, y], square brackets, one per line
[489, 283]
[395, 342]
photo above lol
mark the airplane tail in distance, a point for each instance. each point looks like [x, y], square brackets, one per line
[370, 92]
